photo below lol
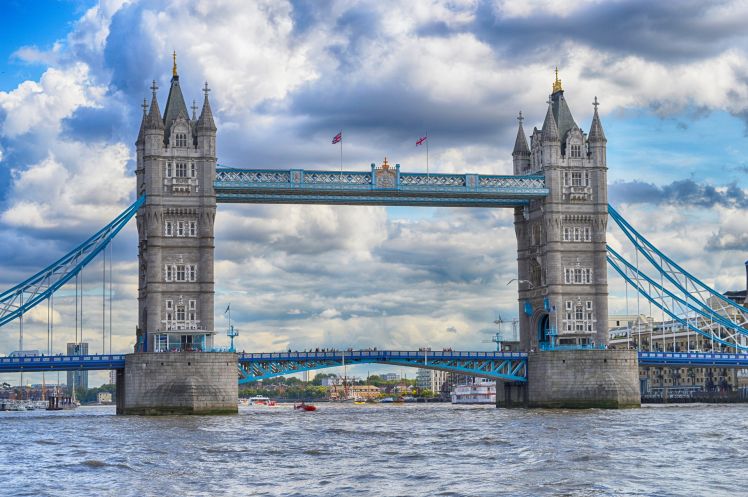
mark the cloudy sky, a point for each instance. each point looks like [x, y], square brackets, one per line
[672, 79]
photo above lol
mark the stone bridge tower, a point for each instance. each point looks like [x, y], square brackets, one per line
[563, 292]
[176, 168]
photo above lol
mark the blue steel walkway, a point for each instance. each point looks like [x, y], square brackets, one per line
[61, 363]
[504, 366]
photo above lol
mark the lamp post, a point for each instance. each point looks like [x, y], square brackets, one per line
[526, 282]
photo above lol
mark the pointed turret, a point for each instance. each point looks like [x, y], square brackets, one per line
[596, 139]
[521, 152]
[550, 129]
[521, 149]
[141, 132]
[597, 135]
[154, 115]
[175, 106]
[206, 127]
[206, 116]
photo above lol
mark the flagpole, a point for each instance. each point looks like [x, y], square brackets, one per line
[427, 154]
[341, 154]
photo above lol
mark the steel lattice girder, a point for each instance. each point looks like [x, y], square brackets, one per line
[500, 366]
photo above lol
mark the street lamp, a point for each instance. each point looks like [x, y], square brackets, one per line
[528, 283]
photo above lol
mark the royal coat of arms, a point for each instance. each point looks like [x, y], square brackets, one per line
[386, 177]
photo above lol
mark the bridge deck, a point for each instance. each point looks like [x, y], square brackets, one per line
[62, 363]
[435, 359]
[375, 187]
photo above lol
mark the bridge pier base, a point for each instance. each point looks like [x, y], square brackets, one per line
[178, 383]
[514, 394]
[583, 379]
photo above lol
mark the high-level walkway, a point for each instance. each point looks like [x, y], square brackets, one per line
[379, 186]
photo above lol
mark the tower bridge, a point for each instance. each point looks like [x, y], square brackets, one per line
[558, 191]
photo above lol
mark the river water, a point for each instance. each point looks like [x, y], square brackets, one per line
[387, 450]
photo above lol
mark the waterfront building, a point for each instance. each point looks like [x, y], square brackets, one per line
[390, 376]
[431, 379]
[77, 379]
[104, 398]
[644, 333]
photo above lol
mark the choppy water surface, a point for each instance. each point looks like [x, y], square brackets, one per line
[383, 450]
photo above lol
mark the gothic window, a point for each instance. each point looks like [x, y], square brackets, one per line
[181, 170]
[193, 228]
[180, 228]
[576, 151]
[586, 179]
[192, 270]
[192, 305]
[180, 313]
[566, 179]
[167, 173]
[169, 273]
[193, 170]
[168, 229]
[169, 304]
[577, 276]
[181, 140]
[577, 234]
[180, 272]
[576, 179]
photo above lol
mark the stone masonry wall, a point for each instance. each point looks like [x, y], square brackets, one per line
[583, 379]
[179, 383]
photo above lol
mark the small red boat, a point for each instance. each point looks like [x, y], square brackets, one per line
[304, 407]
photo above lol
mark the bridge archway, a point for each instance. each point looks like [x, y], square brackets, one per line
[544, 328]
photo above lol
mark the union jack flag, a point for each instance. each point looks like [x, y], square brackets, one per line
[421, 140]
[337, 138]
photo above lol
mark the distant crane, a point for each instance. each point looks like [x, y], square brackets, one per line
[498, 338]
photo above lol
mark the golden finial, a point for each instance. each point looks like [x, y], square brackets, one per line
[557, 83]
[174, 68]
[385, 165]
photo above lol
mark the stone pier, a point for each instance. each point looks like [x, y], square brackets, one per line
[178, 383]
[583, 379]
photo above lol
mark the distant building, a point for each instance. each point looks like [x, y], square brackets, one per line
[112, 376]
[390, 376]
[431, 379]
[77, 379]
[104, 398]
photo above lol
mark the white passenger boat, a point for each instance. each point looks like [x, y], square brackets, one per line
[480, 391]
[261, 400]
